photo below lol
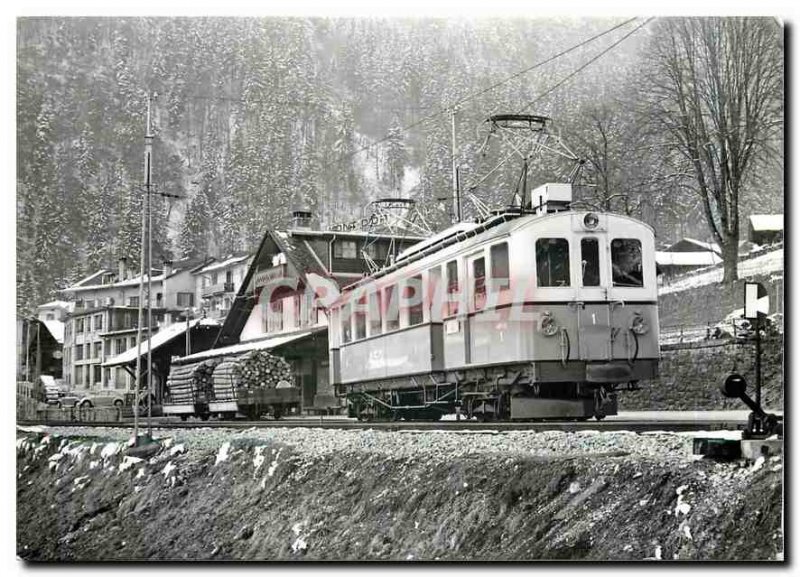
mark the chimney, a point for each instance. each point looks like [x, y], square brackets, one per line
[123, 261]
[167, 268]
[301, 216]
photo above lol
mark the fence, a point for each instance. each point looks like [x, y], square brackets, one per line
[31, 410]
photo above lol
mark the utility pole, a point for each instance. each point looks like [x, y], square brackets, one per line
[456, 193]
[148, 150]
[188, 333]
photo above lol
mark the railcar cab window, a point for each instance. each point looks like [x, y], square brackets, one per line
[452, 288]
[479, 282]
[590, 262]
[392, 308]
[413, 299]
[626, 262]
[345, 249]
[500, 272]
[552, 262]
[344, 320]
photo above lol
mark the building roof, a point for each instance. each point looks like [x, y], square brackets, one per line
[692, 245]
[182, 266]
[255, 345]
[89, 278]
[216, 265]
[699, 258]
[766, 222]
[66, 305]
[157, 341]
[56, 328]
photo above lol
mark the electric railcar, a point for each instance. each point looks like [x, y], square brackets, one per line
[535, 314]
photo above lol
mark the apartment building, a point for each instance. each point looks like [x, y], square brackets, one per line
[104, 320]
[217, 283]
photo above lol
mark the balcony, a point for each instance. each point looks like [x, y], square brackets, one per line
[217, 289]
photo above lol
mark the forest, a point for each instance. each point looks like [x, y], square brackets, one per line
[253, 116]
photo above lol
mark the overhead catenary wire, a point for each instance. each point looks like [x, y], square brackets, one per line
[458, 101]
[583, 66]
[563, 81]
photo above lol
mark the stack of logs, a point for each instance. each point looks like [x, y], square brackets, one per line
[253, 370]
[186, 383]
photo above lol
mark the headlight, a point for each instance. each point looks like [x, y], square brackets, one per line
[638, 324]
[548, 325]
[591, 220]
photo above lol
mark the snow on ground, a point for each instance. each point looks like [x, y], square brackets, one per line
[428, 444]
[761, 265]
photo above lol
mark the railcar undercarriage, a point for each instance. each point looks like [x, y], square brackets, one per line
[505, 392]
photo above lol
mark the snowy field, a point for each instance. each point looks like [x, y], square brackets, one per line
[761, 265]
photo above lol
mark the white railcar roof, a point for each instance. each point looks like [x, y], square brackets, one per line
[495, 227]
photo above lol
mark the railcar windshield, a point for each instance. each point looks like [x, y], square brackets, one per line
[626, 262]
[590, 262]
[552, 262]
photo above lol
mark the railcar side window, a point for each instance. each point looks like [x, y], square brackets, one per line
[360, 317]
[452, 288]
[375, 313]
[590, 262]
[413, 298]
[500, 272]
[345, 313]
[479, 280]
[552, 262]
[626, 262]
[392, 308]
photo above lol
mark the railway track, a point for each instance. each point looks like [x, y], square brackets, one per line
[640, 425]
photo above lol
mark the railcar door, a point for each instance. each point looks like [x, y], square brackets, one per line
[478, 331]
[594, 321]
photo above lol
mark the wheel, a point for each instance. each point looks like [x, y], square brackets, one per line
[599, 416]
[119, 403]
[184, 418]
[204, 417]
[86, 405]
[277, 413]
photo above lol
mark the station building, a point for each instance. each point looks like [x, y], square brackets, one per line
[280, 306]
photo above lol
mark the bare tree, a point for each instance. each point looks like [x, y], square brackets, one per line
[716, 91]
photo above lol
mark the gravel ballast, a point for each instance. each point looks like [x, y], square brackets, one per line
[317, 494]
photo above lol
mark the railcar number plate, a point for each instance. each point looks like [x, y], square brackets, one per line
[452, 327]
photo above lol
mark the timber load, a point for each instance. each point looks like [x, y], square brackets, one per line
[256, 370]
[189, 384]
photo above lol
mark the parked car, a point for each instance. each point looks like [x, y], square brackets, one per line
[735, 326]
[93, 400]
[65, 400]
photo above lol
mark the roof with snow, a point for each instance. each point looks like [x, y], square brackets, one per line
[766, 222]
[66, 305]
[158, 340]
[255, 345]
[229, 261]
[182, 266]
[56, 328]
[699, 258]
[692, 245]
